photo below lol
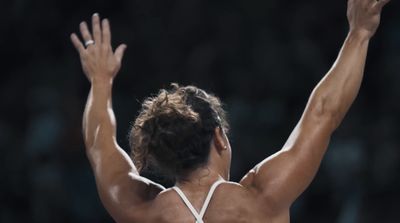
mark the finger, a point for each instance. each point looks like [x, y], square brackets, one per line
[119, 52]
[380, 4]
[106, 32]
[85, 32]
[77, 43]
[96, 28]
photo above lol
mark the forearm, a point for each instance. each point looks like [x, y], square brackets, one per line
[336, 92]
[98, 118]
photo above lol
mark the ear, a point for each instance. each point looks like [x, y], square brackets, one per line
[219, 139]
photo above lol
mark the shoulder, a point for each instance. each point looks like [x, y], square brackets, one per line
[235, 189]
[243, 199]
[264, 200]
[237, 195]
[155, 210]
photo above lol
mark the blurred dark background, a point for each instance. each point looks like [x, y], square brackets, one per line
[262, 57]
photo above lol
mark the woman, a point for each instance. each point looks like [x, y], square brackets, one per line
[182, 131]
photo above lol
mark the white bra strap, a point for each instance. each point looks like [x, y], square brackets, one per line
[188, 204]
[199, 217]
[208, 199]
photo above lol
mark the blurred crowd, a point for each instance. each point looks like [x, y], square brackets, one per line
[262, 58]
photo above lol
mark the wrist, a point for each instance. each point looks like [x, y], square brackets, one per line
[360, 35]
[101, 80]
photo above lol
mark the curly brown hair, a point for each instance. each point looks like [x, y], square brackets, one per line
[174, 129]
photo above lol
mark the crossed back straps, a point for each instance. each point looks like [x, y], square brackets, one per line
[198, 216]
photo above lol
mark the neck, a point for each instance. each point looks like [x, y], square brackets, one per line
[203, 176]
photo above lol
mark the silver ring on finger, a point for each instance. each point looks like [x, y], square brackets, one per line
[89, 42]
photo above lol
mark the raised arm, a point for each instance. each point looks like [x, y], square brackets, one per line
[121, 189]
[282, 177]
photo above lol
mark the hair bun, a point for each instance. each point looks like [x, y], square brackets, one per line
[174, 129]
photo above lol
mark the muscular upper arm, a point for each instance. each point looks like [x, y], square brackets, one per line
[282, 177]
[121, 189]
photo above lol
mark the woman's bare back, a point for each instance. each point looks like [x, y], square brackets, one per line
[231, 202]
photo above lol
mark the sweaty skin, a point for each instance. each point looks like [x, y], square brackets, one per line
[266, 193]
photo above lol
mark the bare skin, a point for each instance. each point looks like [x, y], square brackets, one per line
[266, 193]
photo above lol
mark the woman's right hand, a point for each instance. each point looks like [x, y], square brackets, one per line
[96, 54]
[364, 15]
